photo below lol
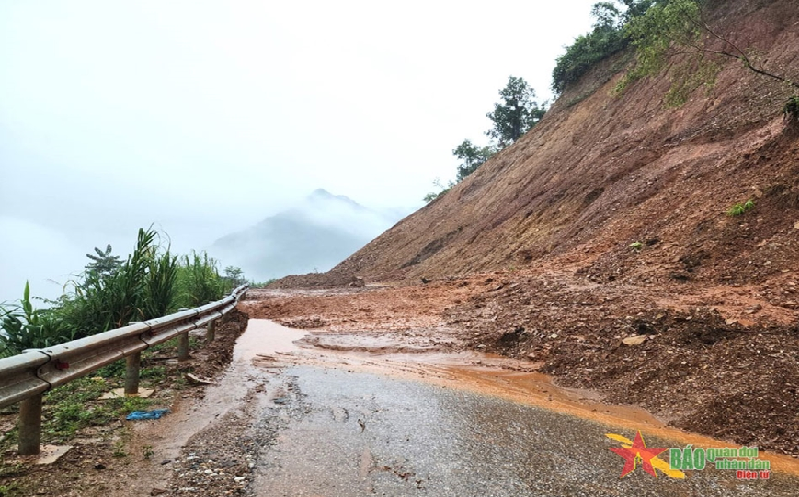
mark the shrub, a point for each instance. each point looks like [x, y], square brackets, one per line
[110, 294]
[738, 209]
[27, 328]
[584, 54]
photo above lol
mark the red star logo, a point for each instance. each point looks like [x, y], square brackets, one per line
[637, 451]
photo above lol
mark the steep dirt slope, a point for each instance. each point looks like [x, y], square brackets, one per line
[601, 172]
[697, 323]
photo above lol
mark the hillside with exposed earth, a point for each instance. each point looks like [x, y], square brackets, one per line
[602, 171]
[600, 246]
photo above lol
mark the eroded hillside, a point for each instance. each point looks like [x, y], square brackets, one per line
[601, 172]
[599, 249]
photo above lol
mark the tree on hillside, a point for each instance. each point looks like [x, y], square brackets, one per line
[471, 157]
[234, 276]
[607, 37]
[680, 27]
[516, 114]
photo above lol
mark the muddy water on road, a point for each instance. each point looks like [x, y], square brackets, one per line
[266, 344]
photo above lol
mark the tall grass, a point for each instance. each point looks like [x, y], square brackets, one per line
[26, 328]
[160, 288]
[150, 283]
[199, 281]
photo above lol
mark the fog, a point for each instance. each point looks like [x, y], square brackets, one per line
[203, 117]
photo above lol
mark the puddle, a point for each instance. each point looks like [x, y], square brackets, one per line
[265, 337]
[266, 344]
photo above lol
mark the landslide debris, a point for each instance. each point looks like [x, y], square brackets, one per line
[612, 222]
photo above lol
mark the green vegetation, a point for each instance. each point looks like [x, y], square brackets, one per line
[607, 38]
[440, 190]
[147, 452]
[110, 293]
[656, 30]
[471, 157]
[198, 281]
[636, 246]
[670, 27]
[739, 209]
[516, 114]
[26, 327]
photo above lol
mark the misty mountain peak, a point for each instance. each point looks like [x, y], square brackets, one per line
[315, 234]
[322, 195]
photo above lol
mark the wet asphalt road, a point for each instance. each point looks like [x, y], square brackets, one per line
[330, 432]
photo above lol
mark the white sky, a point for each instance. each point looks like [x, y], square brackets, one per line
[206, 116]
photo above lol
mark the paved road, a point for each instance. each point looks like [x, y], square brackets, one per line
[312, 429]
[339, 433]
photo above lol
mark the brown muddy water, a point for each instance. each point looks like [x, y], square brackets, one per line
[267, 345]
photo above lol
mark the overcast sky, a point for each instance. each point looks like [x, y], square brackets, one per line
[204, 117]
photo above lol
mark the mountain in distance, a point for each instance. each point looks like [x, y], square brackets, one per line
[315, 235]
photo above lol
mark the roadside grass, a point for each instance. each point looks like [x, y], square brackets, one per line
[11, 490]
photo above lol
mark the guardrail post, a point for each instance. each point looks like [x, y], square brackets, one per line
[183, 346]
[30, 426]
[132, 366]
[210, 331]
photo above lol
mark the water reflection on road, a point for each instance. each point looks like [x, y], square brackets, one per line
[342, 422]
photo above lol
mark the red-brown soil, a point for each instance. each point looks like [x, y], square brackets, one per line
[720, 363]
[607, 221]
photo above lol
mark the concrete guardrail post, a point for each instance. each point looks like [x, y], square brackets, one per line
[210, 331]
[132, 366]
[183, 346]
[30, 426]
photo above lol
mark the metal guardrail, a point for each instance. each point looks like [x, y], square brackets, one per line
[24, 377]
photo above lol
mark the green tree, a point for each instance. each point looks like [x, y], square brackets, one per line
[440, 190]
[103, 264]
[671, 27]
[607, 37]
[516, 114]
[234, 276]
[471, 157]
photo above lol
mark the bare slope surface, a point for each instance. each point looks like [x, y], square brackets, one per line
[601, 172]
[698, 325]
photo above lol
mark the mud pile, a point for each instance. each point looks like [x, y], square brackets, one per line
[599, 246]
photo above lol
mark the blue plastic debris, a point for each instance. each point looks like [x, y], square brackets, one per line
[154, 414]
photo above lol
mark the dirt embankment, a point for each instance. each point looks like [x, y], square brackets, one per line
[609, 222]
[601, 172]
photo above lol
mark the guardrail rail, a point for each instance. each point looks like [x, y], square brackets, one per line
[26, 376]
